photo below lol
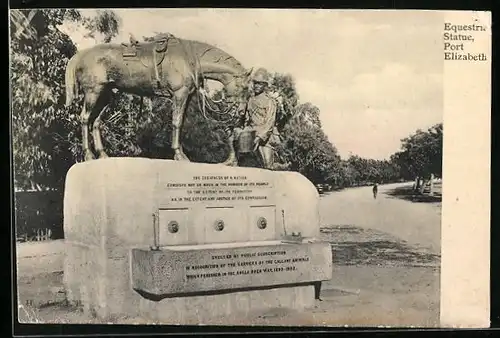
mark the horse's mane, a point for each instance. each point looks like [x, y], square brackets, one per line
[210, 53]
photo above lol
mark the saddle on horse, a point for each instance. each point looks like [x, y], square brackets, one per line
[149, 54]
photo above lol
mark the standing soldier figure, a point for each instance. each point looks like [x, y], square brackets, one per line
[260, 118]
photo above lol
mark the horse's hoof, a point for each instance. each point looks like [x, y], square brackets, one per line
[181, 157]
[89, 157]
[102, 154]
[231, 162]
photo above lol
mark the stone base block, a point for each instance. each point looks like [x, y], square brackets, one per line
[197, 214]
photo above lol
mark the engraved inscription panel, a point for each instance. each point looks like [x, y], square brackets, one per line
[216, 190]
[184, 271]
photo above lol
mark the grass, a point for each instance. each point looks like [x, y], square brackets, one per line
[353, 245]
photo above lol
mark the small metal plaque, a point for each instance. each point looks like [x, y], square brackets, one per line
[262, 223]
[219, 225]
[173, 227]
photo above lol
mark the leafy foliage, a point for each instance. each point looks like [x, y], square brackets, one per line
[105, 23]
[309, 151]
[360, 171]
[43, 129]
[422, 153]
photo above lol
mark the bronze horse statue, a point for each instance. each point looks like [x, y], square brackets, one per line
[167, 67]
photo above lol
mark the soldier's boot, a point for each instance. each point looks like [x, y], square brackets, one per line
[281, 166]
[232, 160]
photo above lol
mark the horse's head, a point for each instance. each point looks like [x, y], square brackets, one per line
[237, 91]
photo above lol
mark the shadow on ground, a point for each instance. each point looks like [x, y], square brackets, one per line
[357, 246]
[408, 194]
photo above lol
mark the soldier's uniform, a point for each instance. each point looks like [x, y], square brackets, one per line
[262, 110]
[261, 117]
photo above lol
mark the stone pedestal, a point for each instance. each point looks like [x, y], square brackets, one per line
[177, 242]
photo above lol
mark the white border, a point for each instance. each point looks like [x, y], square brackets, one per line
[465, 257]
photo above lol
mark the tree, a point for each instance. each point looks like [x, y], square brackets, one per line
[309, 151]
[308, 113]
[283, 86]
[421, 153]
[43, 130]
[304, 145]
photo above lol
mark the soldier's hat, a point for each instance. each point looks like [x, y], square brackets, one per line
[262, 75]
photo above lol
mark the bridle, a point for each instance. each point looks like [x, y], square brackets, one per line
[230, 101]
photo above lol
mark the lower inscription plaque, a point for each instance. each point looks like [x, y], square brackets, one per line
[175, 271]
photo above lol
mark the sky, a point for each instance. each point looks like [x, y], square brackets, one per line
[376, 76]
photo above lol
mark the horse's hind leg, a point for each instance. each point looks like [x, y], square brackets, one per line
[96, 134]
[84, 117]
[92, 108]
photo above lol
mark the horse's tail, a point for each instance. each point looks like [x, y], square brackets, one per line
[70, 79]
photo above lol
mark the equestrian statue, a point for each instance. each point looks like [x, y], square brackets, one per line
[173, 68]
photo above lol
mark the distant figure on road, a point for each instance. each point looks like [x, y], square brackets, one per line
[375, 190]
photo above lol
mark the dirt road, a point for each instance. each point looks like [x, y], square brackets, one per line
[386, 257]
[417, 223]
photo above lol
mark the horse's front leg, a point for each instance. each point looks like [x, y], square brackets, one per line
[231, 159]
[180, 104]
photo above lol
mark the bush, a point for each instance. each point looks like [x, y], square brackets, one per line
[38, 210]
